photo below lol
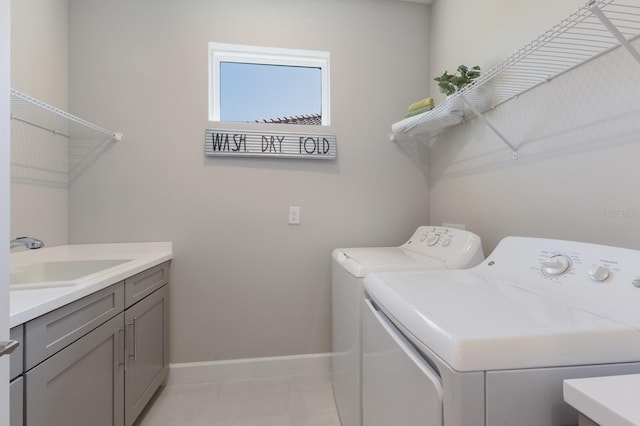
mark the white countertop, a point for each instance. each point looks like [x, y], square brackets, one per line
[608, 401]
[27, 304]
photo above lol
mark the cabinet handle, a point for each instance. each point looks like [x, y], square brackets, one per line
[7, 347]
[133, 334]
[121, 343]
[129, 339]
[135, 344]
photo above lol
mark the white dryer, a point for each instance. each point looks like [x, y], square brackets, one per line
[430, 247]
[491, 345]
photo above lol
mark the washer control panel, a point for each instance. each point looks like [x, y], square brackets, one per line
[556, 264]
[602, 280]
[434, 236]
[456, 247]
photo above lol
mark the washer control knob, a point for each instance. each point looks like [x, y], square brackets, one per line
[598, 273]
[636, 282]
[433, 240]
[556, 265]
[423, 237]
[446, 243]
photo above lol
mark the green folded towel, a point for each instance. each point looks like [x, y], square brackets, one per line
[421, 104]
[418, 111]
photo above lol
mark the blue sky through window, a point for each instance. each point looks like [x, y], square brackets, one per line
[250, 92]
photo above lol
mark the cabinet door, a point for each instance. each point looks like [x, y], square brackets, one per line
[82, 384]
[147, 351]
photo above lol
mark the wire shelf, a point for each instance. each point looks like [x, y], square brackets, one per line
[595, 29]
[86, 142]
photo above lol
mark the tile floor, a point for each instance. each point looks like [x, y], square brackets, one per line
[283, 401]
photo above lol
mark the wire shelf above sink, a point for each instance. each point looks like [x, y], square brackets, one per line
[85, 142]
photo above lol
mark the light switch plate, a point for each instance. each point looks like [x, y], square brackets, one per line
[294, 215]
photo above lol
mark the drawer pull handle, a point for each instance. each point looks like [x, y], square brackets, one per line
[133, 334]
[121, 343]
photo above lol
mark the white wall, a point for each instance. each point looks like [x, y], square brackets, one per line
[576, 176]
[39, 197]
[244, 282]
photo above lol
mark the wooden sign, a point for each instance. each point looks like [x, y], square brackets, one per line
[236, 143]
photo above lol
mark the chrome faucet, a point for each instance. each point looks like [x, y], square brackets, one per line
[28, 242]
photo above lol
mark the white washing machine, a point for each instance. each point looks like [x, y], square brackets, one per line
[430, 247]
[491, 345]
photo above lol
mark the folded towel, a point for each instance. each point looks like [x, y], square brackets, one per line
[418, 111]
[421, 104]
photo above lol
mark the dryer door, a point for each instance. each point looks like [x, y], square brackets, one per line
[398, 386]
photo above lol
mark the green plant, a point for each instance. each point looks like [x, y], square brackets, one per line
[451, 83]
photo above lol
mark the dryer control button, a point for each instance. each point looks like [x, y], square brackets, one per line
[556, 265]
[433, 240]
[636, 282]
[446, 243]
[598, 273]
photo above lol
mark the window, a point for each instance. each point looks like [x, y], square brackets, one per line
[248, 84]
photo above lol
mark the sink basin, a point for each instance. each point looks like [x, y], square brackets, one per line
[61, 273]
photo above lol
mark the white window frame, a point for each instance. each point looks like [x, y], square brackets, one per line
[222, 52]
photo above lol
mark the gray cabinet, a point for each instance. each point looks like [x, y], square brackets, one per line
[16, 386]
[143, 284]
[51, 332]
[16, 358]
[147, 351]
[96, 361]
[83, 384]
[16, 402]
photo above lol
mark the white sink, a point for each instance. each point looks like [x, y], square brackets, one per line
[62, 273]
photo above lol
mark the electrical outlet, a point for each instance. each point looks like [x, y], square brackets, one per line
[294, 215]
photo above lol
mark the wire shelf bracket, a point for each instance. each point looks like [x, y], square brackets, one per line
[614, 31]
[86, 141]
[487, 123]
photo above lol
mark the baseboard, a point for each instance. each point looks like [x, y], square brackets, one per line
[250, 368]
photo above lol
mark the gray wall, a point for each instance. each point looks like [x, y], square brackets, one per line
[39, 59]
[244, 282]
[576, 177]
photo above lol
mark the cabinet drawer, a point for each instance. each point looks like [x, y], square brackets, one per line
[16, 357]
[143, 284]
[16, 402]
[48, 334]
